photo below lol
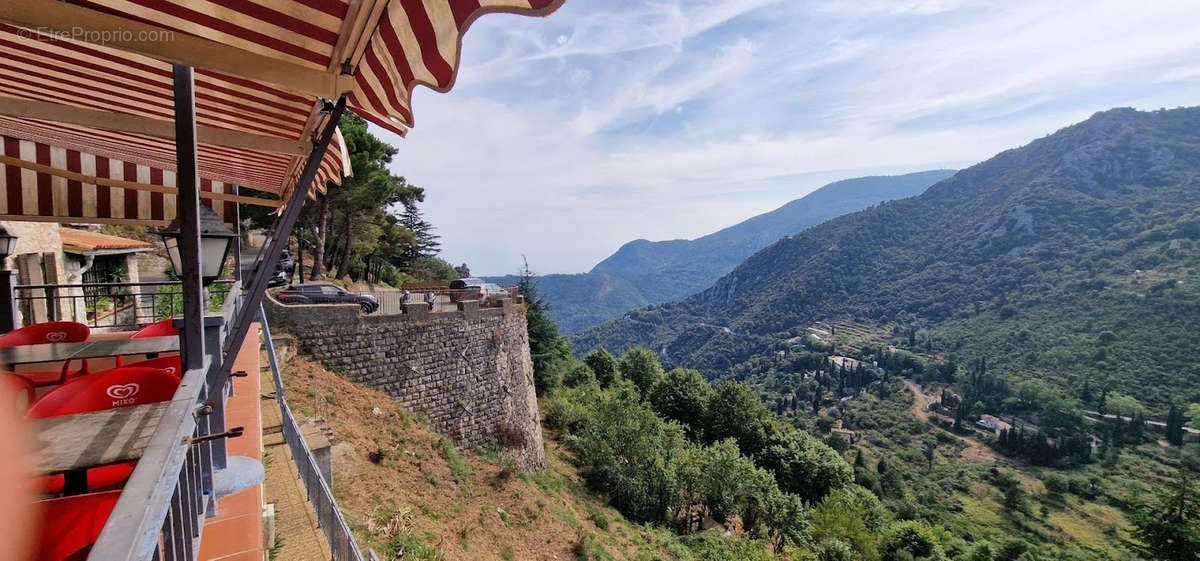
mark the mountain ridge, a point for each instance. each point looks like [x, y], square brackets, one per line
[644, 272]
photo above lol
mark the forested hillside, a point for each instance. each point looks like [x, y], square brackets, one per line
[1071, 259]
[579, 301]
[644, 272]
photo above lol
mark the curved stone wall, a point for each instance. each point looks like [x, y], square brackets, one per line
[469, 372]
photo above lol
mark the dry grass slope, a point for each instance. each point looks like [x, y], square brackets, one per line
[409, 495]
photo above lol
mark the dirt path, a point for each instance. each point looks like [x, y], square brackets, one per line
[972, 450]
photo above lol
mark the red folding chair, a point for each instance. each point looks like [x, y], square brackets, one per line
[41, 334]
[71, 525]
[118, 387]
[161, 328]
[172, 364]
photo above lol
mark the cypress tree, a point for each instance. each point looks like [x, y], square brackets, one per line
[1175, 422]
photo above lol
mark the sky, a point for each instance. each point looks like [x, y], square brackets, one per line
[608, 121]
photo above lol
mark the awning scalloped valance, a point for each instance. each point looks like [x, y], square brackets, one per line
[94, 77]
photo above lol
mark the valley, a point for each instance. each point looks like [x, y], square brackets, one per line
[1021, 339]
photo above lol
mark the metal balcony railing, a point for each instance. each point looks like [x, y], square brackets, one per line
[320, 495]
[114, 305]
[162, 508]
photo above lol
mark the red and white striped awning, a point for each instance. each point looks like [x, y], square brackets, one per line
[39, 188]
[93, 78]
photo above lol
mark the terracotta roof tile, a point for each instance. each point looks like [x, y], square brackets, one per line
[83, 240]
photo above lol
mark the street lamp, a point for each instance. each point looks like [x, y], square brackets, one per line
[8, 284]
[8, 243]
[215, 242]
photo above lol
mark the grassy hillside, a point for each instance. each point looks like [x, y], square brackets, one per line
[1072, 259]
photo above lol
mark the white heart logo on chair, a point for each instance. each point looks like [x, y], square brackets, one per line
[56, 336]
[170, 369]
[125, 391]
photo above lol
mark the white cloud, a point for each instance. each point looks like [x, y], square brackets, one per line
[606, 122]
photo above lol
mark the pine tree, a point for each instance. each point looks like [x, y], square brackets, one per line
[426, 244]
[1170, 526]
[547, 348]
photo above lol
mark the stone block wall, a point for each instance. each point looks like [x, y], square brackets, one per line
[468, 372]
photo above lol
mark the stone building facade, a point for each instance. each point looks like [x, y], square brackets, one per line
[469, 372]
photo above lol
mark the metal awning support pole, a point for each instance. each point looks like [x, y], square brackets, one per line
[192, 334]
[237, 242]
[283, 231]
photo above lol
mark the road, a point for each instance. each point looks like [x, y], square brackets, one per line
[1158, 424]
[972, 450]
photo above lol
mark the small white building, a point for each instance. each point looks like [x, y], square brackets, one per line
[993, 423]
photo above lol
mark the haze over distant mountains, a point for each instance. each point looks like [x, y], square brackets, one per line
[644, 272]
[1071, 259]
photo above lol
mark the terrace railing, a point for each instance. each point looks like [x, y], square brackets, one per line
[320, 495]
[162, 508]
[113, 305]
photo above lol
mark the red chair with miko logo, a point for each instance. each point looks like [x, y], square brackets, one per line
[161, 328]
[171, 364]
[119, 387]
[44, 333]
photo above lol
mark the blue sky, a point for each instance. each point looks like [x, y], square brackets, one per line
[609, 121]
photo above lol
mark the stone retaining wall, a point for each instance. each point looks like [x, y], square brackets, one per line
[469, 372]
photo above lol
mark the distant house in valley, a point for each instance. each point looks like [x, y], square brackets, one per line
[846, 434]
[992, 423]
[844, 362]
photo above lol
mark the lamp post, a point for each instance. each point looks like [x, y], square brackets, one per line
[8, 283]
[216, 240]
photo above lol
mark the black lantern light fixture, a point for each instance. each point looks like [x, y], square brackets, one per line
[216, 239]
[8, 243]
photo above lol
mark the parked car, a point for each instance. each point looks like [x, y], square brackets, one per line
[476, 289]
[325, 293]
[278, 279]
[286, 263]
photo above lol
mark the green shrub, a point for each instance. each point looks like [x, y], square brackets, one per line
[833, 550]
[1056, 483]
[577, 374]
[604, 366]
[910, 540]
